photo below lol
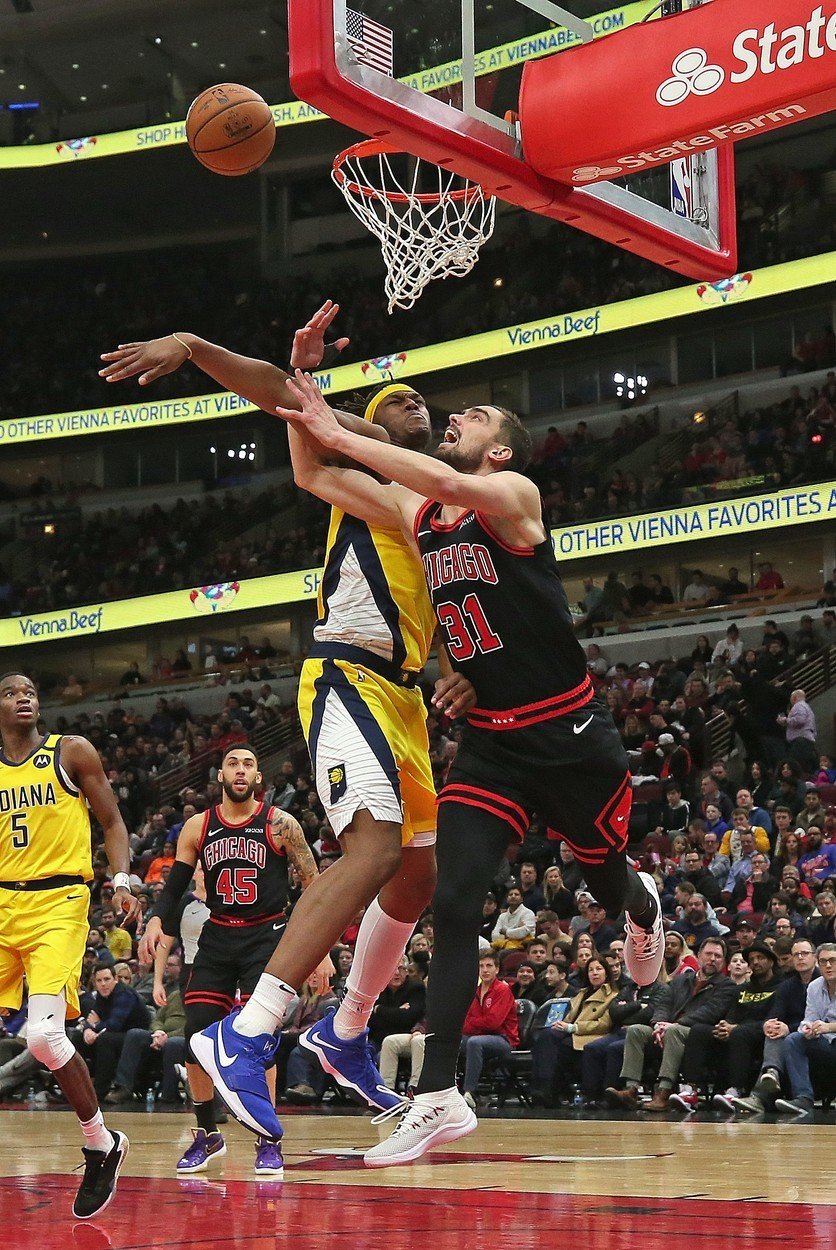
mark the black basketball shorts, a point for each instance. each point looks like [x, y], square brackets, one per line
[572, 770]
[229, 961]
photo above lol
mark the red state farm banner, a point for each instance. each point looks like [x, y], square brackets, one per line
[671, 88]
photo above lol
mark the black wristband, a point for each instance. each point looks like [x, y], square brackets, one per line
[178, 882]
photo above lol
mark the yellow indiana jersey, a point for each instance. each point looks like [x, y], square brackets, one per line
[44, 823]
[373, 594]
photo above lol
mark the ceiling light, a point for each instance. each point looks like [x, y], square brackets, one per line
[221, 64]
[21, 86]
[104, 86]
[157, 40]
[195, 43]
[83, 99]
[262, 32]
[75, 65]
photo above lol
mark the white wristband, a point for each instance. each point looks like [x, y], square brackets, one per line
[121, 881]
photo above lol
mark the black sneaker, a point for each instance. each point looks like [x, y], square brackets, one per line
[101, 1172]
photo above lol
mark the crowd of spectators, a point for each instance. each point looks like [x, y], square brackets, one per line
[785, 443]
[118, 553]
[118, 300]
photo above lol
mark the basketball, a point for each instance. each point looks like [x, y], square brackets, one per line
[230, 129]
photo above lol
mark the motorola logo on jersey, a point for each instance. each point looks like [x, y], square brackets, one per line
[460, 562]
[42, 761]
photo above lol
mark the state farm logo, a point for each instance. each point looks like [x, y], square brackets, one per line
[692, 75]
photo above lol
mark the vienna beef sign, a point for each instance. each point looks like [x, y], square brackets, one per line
[646, 96]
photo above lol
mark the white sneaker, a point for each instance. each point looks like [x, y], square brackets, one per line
[644, 949]
[471, 1101]
[728, 1100]
[429, 1120]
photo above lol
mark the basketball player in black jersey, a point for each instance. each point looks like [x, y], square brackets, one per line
[243, 848]
[537, 739]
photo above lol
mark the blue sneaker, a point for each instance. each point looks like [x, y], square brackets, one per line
[238, 1066]
[351, 1063]
[268, 1159]
[204, 1147]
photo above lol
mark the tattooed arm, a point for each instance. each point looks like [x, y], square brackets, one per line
[286, 832]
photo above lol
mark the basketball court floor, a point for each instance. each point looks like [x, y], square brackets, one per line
[524, 1184]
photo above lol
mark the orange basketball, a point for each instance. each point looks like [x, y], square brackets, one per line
[230, 129]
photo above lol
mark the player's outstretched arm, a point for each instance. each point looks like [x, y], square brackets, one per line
[84, 768]
[507, 494]
[262, 383]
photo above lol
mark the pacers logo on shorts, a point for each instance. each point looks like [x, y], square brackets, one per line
[337, 779]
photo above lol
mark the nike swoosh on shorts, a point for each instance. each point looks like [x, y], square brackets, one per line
[578, 729]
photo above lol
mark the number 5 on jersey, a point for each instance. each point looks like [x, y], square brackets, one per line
[467, 629]
[20, 831]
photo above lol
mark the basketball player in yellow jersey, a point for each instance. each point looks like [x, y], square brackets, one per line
[364, 721]
[46, 783]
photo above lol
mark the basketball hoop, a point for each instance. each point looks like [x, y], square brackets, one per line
[424, 233]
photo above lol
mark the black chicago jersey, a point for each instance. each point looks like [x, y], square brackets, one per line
[246, 872]
[505, 618]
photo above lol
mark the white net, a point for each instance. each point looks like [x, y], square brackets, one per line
[430, 224]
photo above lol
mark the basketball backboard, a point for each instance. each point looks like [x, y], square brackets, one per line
[453, 101]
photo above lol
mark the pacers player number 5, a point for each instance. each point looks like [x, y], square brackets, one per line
[20, 831]
[467, 629]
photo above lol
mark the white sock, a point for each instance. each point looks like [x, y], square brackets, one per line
[267, 1007]
[96, 1136]
[380, 946]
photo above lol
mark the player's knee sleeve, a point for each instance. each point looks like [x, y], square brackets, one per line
[49, 1044]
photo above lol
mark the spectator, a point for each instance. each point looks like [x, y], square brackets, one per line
[639, 595]
[819, 860]
[800, 724]
[557, 1050]
[702, 997]
[557, 897]
[728, 650]
[532, 895]
[305, 1078]
[752, 890]
[814, 1037]
[490, 1028]
[697, 591]
[813, 813]
[660, 594]
[142, 1046]
[696, 927]
[527, 986]
[805, 641]
[741, 836]
[718, 865]
[598, 929]
[132, 675]
[732, 586]
[758, 816]
[677, 955]
[118, 941]
[113, 1010]
[768, 578]
[735, 1042]
[73, 688]
[710, 792]
[788, 1010]
[703, 881]
[823, 929]
[676, 812]
[516, 924]
[162, 864]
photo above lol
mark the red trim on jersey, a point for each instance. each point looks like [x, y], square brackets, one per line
[202, 838]
[268, 833]
[532, 713]
[241, 824]
[584, 855]
[483, 803]
[514, 551]
[445, 527]
[419, 516]
[233, 922]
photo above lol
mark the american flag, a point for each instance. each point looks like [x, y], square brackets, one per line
[372, 44]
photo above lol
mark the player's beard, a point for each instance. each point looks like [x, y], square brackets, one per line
[458, 457]
[236, 796]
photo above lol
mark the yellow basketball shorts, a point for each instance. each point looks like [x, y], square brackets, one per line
[43, 934]
[368, 744]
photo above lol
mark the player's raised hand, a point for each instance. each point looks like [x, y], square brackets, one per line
[314, 413]
[309, 346]
[151, 360]
[454, 695]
